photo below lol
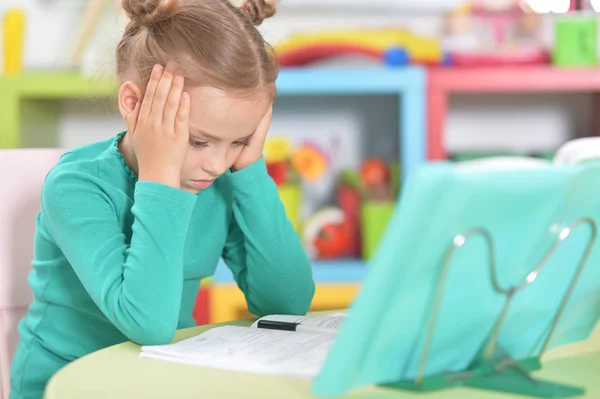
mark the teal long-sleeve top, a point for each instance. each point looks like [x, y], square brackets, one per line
[117, 259]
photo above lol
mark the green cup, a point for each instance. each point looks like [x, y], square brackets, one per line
[291, 196]
[576, 39]
[375, 217]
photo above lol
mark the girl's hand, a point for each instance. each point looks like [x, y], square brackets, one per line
[161, 133]
[254, 150]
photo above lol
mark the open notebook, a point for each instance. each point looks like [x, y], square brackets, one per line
[299, 351]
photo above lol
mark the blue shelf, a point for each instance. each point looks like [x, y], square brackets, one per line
[336, 271]
[375, 80]
[409, 83]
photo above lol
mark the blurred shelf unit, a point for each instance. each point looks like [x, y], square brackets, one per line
[405, 6]
[33, 101]
[444, 82]
[34, 98]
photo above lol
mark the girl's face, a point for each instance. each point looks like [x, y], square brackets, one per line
[221, 124]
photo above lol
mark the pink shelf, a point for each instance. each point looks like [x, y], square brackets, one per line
[445, 81]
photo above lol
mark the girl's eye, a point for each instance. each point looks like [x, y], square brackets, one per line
[196, 144]
[243, 143]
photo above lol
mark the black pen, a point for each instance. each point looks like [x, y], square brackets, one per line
[289, 326]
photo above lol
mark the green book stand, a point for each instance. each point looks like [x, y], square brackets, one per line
[494, 368]
[480, 273]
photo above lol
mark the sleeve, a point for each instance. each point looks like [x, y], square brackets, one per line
[263, 250]
[136, 284]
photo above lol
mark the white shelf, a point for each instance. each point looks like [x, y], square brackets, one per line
[371, 5]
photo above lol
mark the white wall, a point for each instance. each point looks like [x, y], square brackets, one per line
[475, 122]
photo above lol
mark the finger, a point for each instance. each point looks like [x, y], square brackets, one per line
[162, 92]
[150, 90]
[183, 116]
[173, 101]
[265, 123]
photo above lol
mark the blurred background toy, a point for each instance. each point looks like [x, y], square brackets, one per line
[391, 46]
[495, 32]
[13, 39]
[349, 200]
[353, 225]
[375, 179]
[576, 41]
[326, 234]
[309, 162]
[288, 165]
[378, 203]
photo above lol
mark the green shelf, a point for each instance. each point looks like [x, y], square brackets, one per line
[58, 85]
[32, 101]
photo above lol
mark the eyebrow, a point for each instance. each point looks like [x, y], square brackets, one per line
[196, 132]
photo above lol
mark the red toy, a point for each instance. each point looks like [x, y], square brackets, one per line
[349, 201]
[278, 172]
[332, 241]
[326, 234]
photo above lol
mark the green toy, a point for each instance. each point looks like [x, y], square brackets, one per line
[375, 216]
[576, 40]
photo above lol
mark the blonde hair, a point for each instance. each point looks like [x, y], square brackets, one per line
[212, 42]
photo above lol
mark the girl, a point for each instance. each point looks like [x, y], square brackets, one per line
[129, 226]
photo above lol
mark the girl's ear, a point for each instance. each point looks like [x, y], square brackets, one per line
[130, 96]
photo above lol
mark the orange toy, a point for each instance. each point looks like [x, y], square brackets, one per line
[374, 172]
[309, 162]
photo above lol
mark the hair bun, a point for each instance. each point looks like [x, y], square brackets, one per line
[258, 10]
[148, 12]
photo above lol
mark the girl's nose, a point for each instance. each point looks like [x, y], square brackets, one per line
[215, 166]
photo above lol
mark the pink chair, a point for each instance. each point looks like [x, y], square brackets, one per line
[22, 172]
